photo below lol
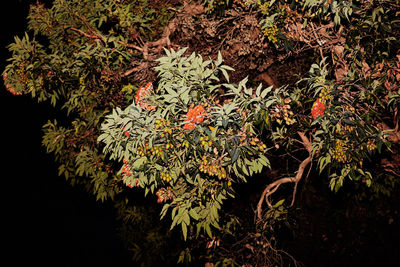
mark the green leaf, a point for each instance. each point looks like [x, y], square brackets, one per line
[194, 214]
[226, 75]
[186, 218]
[258, 90]
[235, 155]
[219, 59]
[264, 161]
[184, 230]
[266, 91]
[279, 203]
[208, 230]
[139, 162]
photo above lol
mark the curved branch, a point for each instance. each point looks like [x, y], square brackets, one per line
[272, 187]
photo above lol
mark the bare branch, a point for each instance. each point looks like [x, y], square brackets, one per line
[272, 187]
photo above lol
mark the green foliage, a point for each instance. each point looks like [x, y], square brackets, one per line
[345, 137]
[76, 60]
[323, 9]
[192, 160]
[191, 163]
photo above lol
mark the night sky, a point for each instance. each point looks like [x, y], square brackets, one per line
[48, 222]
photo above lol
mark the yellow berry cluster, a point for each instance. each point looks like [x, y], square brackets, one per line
[21, 71]
[165, 177]
[106, 76]
[143, 151]
[339, 153]
[254, 141]
[271, 33]
[212, 168]
[157, 151]
[169, 146]
[216, 4]
[263, 7]
[283, 111]
[185, 143]
[163, 125]
[371, 145]
[257, 143]
[241, 3]
[344, 128]
[348, 108]
[205, 141]
[348, 128]
[291, 15]
[324, 94]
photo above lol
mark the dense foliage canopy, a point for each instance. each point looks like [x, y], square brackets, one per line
[178, 100]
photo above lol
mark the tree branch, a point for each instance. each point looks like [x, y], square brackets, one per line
[272, 187]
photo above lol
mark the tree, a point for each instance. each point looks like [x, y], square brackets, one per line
[175, 124]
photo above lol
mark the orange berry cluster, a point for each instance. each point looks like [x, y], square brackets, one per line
[318, 108]
[164, 194]
[142, 94]
[212, 168]
[193, 116]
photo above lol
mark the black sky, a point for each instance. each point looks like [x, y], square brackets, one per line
[48, 222]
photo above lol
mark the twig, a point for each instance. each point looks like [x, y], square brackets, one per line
[131, 46]
[129, 72]
[314, 31]
[85, 34]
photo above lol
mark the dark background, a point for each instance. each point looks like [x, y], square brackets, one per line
[47, 222]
